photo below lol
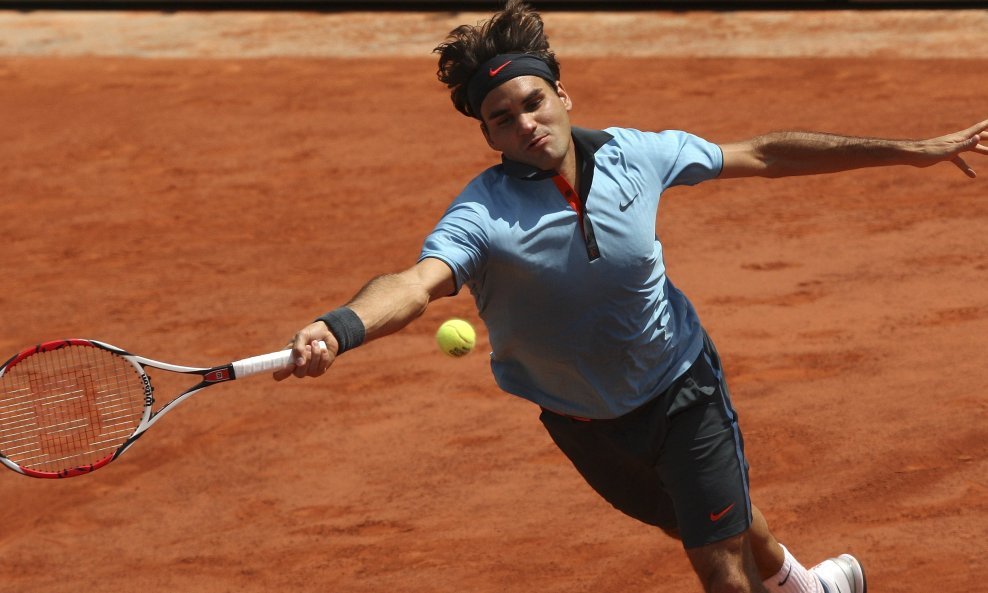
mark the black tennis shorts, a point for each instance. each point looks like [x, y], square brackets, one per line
[676, 462]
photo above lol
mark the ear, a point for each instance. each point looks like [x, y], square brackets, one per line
[487, 135]
[564, 96]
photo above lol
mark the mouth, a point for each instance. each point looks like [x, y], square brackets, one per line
[538, 143]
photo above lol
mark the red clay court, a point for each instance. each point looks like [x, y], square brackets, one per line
[195, 187]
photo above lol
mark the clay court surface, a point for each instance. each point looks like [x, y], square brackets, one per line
[195, 190]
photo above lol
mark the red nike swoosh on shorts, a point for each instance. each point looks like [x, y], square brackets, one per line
[494, 71]
[718, 516]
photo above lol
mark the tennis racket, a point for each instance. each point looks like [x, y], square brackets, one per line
[70, 407]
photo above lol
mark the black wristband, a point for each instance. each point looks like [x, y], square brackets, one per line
[348, 329]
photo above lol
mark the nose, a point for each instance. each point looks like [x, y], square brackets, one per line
[526, 123]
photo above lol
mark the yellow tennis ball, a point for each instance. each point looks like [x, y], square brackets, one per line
[456, 337]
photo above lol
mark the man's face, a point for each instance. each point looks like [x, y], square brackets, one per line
[528, 121]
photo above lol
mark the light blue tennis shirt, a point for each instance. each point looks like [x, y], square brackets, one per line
[581, 316]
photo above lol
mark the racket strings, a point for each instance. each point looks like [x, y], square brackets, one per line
[68, 408]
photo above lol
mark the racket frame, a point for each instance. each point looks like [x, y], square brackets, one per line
[209, 376]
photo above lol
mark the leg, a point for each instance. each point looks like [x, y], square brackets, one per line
[703, 461]
[767, 552]
[780, 572]
[727, 566]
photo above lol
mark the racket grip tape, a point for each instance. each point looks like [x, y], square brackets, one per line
[264, 363]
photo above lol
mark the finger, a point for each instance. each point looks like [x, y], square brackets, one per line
[322, 351]
[315, 360]
[282, 374]
[302, 369]
[298, 349]
[964, 167]
[319, 361]
[979, 127]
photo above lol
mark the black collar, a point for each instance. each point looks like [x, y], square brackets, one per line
[587, 142]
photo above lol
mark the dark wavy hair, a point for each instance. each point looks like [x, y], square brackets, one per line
[515, 29]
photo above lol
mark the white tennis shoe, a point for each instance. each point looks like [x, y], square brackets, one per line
[841, 575]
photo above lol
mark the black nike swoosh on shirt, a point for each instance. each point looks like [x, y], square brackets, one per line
[624, 205]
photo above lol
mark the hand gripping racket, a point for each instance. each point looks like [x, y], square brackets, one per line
[70, 407]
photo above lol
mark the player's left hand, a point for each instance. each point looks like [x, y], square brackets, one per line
[951, 146]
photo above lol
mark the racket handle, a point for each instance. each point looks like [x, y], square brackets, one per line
[264, 363]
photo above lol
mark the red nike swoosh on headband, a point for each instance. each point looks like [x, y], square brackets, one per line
[494, 71]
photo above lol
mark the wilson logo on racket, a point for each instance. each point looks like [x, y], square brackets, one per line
[148, 391]
[217, 376]
[70, 407]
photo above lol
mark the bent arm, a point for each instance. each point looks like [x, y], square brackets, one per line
[384, 305]
[783, 154]
[391, 301]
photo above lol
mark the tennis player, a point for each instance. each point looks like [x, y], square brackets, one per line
[557, 244]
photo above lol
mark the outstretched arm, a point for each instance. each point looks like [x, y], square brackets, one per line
[383, 306]
[782, 154]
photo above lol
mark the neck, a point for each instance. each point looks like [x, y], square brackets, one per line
[568, 169]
